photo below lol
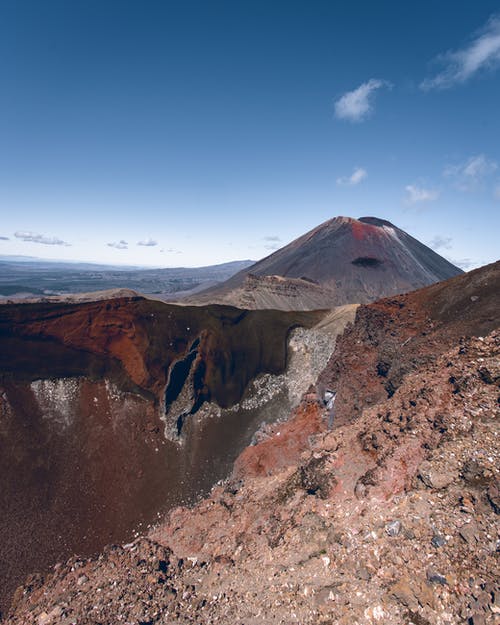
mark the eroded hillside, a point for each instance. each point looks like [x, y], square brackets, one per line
[389, 516]
[113, 411]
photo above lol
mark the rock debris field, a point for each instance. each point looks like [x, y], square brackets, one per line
[389, 517]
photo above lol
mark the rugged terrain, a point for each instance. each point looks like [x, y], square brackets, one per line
[383, 509]
[279, 293]
[112, 411]
[342, 261]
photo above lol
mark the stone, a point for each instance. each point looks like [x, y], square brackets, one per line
[436, 578]
[374, 613]
[56, 612]
[469, 533]
[403, 592]
[325, 595]
[393, 528]
[438, 541]
[435, 478]
[424, 594]
[493, 495]
[363, 573]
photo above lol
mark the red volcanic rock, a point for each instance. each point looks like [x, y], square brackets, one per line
[83, 410]
[143, 338]
[389, 517]
[288, 440]
[362, 231]
[395, 336]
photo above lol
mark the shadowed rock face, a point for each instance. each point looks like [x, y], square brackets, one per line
[135, 341]
[350, 260]
[85, 392]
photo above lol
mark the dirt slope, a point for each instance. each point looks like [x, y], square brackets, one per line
[389, 517]
[94, 438]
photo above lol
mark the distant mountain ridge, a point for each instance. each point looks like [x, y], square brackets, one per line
[349, 260]
[37, 277]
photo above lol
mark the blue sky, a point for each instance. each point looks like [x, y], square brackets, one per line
[194, 132]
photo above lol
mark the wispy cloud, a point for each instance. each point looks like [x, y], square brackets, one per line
[121, 245]
[32, 237]
[273, 238]
[419, 194]
[170, 250]
[357, 105]
[441, 243]
[469, 174]
[355, 178]
[273, 243]
[482, 53]
[464, 263]
[148, 243]
[4, 239]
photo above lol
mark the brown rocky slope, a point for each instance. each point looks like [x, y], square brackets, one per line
[94, 439]
[391, 516]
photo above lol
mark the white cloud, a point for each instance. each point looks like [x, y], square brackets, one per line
[469, 173]
[273, 243]
[355, 178]
[121, 245]
[419, 194]
[4, 239]
[441, 243]
[272, 238]
[148, 242]
[482, 53]
[356, 105]
[32, 237]
[465, 263]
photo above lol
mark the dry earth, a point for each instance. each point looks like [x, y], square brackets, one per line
[389, 517]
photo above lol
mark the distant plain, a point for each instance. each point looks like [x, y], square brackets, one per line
[33, 277]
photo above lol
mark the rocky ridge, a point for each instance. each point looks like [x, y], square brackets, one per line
[391, 516]
[280, 293]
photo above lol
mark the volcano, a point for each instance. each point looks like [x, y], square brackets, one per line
[341, 261]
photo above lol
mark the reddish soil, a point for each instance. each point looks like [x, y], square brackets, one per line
[141, 338]
[395, 336]
[362, 230]
[391, 516]
[288, 441]
[84, 458]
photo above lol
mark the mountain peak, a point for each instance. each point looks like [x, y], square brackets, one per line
[352, 260]
[375, 221]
